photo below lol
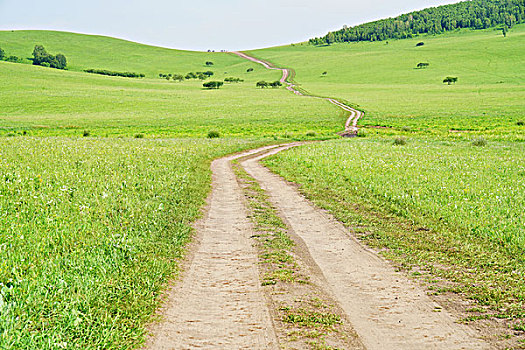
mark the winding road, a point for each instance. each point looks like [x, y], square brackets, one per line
[351, 123]
[219, 302]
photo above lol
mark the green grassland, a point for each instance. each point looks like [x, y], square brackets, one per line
[90, 230]
[452, 210]
[43, 101]
[382, 80]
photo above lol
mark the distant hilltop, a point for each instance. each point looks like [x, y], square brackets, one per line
[475, 14]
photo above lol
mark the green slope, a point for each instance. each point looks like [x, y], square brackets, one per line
[382, 79]
[44, 101]
[92, 51]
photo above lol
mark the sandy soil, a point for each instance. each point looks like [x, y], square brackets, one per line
[387, 310]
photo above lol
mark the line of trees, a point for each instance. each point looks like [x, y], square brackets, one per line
[42, 58]
[264, 84]
[233, 80]
[213, 84]
[14, 59]
[474, 14]
[115, 74]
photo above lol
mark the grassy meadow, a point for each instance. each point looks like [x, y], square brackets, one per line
[43, 101]
[451, 210]
[90, 230]
[382, 79]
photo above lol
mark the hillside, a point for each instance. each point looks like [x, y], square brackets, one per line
[474, 14]
[45, 101]
[101, 52]
[383, 79]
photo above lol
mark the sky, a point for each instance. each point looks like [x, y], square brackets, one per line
[202, 24]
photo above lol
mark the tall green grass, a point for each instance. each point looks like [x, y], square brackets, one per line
[90, 233]
[452, 184]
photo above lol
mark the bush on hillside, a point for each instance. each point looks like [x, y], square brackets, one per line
[213, 134]
[249, 70]
[520, 123]
[423, 65]
[14, 59]
[42, 58]
[450, 80]
[275, 84]
[2, 54]
[420, 43]
[400, 141]
[233, 80]
[262, 84]
[479, 142]
[213, 84]
[209, 63]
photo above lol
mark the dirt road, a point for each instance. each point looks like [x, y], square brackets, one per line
[355, 115]
[218, 304]
[387, 310]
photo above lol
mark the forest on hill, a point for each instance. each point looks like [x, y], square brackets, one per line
[474, 14]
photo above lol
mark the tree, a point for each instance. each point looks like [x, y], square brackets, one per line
[209, 63]
[2, 54]
[61, 61]
[276, 84]
[450, 80]
[505, 30]
[262, 84]
[178, 77]
[40, 55]
[42, 58]
[208, 73]
[423, 65]
[249, 70]
[213, 84]
[420, 44]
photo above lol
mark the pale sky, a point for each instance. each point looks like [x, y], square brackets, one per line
[202, 24]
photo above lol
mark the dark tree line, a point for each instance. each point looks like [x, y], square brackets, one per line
[115, 74]
[475, 14]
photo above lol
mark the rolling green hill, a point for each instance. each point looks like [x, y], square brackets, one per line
[44, 101]
[382, 79]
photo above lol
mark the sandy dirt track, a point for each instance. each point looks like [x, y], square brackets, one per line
[387, 310]
[218, 304]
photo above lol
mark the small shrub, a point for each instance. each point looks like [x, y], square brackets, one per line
[310, 134]
[11, 134]
[139, 136]
[249, 70]
[520, 123]
[213, 134]
[420, 44]
[361, 133]
[325, 73]
[209, 63]
[86, 133]
[400, 141]
[479, 142]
